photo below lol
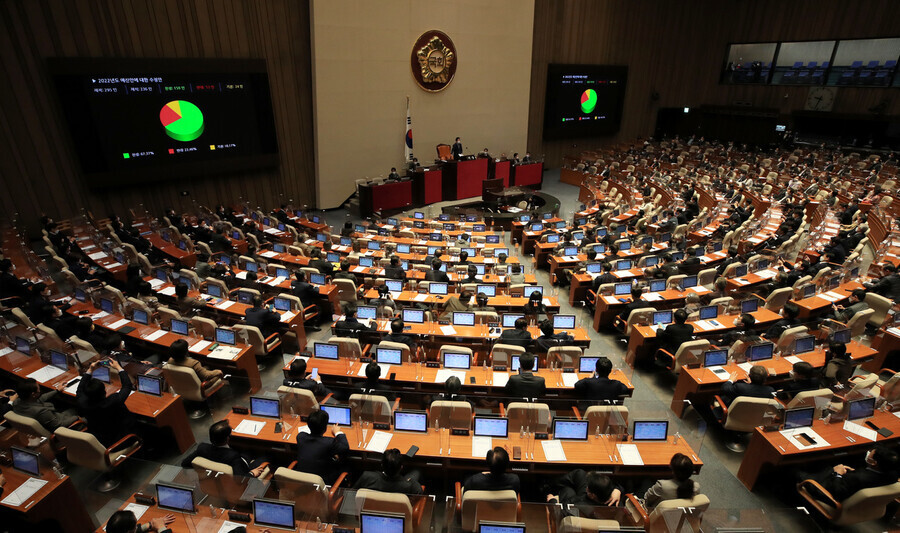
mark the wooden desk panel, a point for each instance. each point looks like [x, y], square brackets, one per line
[48, 503]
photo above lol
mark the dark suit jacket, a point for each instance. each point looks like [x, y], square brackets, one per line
[437, 275]
[267, 321]
[220, 454]
[600, 389]
[394, 272]
[730, 390]
[108, 420]
[322, 266]
[307, 292]
[378, 481]
[482, 481]
[316, 455]
[545, 342]
[402, 339]
[515, 337]
[456, 150]
[674, 335]
[630, 306]
[888, 286]
[863, 478]
[525, 385]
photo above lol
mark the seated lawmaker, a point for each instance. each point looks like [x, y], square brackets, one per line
[219, 451]
[297, 378]
[549, 339]
[435, 273]
[107, 417]
[599, 388]
[265, 319]
[125, 522]
[635, 303]
[674, 335]
[681, 486]
[756, 388]
[373, 383]
[390, 478]
[33, 404]
[397, 335]
[350, 326]
[586, 490]
[803, 378]
[319, 454]
[179, 356]
[496, 477]
[518, 335]
[395, 269]
[458, 303]
[842, 481]
[525, 384]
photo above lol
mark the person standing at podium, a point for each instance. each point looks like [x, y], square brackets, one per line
[456, 150]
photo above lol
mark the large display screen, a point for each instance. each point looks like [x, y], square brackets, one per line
[583, 100]
[165, 118]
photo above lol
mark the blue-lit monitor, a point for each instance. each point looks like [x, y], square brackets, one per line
[273, 513]
[761, 352]
[281, 304]
[266, 407]
[709, 312]
[59, 360]
[463, 319]
[419, 215]
[175, 498]
[662, 317]
[657, 285]
[570, 429]
[410, 421]
[594, 268]
[749, 306]
[101, 373]
[388, 356]
[333, 257]
[245, 297]
[587, 364]
[325, 350]
[26, 461]
[366, 262]
[457, 360]
[140, 317]
[531, 289]
[804, 344]
[106, 305]
[651, 260]
[150, 384]
[553, 237]
[279, 248]
[370, 522]
[492, 239]
[317, 279]
[863, 408]
[394, 285]
[563, 321]
[841, 335]
[282, 273]
[346, 241]
[374, 245]
[715, 357]
[403, 248]
[624, 246]
[622, 289]
[337, 414]
[689, 281]
[414, 316]
[799, 418]
[740, 271]
[251, 267]
[321, 237]
[650, 430]
[364, 312]
[515, 364]
[179, 326]
[438, 288]
[509, 319]
[225, 336]
[570, 250]
[491, 427]
[537, 227]
[489, 290]
[624, 264]
[23, 345]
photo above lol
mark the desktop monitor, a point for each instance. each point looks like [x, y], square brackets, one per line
[388, 356]
[657, 285]
[528, 290]
[570, 429]
[509, 319]
[515, 365]
[809, 291]
[436, 237]
[601, 232]
[594, 268]
[463, 319]
[433, 250]
[213, 290]
[625, 246]
[225, 336]
[162, 275]
[699, 252]
[365, 312]
[553, 237]
[489, 290]
[101, 373]
[26, 461]
[457, 360]
[245, 297]
[498, 251]
[366, 262]
[373, 245]
[325, 350]
[762, 264]
[624, 264]
[279, 248]
[419, 224]
[281, 304]
[414, 316]
[650, 430]
[403, 248]
[251, 267]
[267, 221]
[749, 306]
[236, 235]
[761, 352]
[394, 285]
[443, 216]
[677, 256]
[224, 259]
[841, 335]
[479, 227]
[346, 241]
[570, 250]
[740, 271]
[411, 421]
[799, 418]
[717, 246]
[23, 345]
[265, 407]
[370, 522]
[106, 305]
[149, 384]
[688, 282]
[665, 237]
[59, 359]
[492, 239]
[651, 260]
[321, 237]
[863, 408]
[560, 225]
[491, 427]
[587, 364]
[179, 326]
[715, 358]
[333, 257]
[470, 218]
[709, 312]
[337, 414]
[317, 279]
[662, 317]
[581, 221]
[546, 216]
[804, 344]
[449, 226]
[175, 498]
[393, 221]
[273, 513]
[537, 227]
[600, 248]
[419, 215]
[479, 269]
[80, 295]
[563, 321]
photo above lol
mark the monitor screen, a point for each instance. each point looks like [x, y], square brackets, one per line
[689, 281]
[570, 250]
[317, 279]
[273, 513]
[213, 290]
[740, 271]
[225, 336]
[410, 421]
[809, 291]
[59, 360]
[175, 498]
[842, 336]
[479, 269]
[650, 430]
[587, 364]
[366, 312]
[366, 262]
[149, 384]
[266, 407]
[381, 523]
[321, 237]
[236, 235]
[449, 226]
[677, 256]
[224, 259]
[282, 304]
[799, 418]
[325, 350]
[509, 319]
[537, 227]
[715, 357]
[394, 285]
[419, 215]
[101, 373]
[418, 224]
[414, 316]
[749, 306]
[624, 246]
[374, 245]
[463, 319]
[432, 250]
[179, 326]
[489, 290]
[492, 239]
[563, 321]
[761, 352]
[583, 100]
[244, 297]
[337, 414]
[279, 248]
[665, 237]
[491, 427]
[457, 360]
[515, 365]
[717, 246]
[251, 267]
[23, 346]
[332, 257]
[346, 241]
[389, 356]
[436, 237]
[443, 216]
[403, 248]
[553, 237]
[438, 288]
[594, 268]
[498, 251]
[570, 429]
[531, 289]
[863, 408]
[393, 221]
[106, 305]
[624, 264]
[657, 285]
[26, 461]
[662, 317]
[804, 344]
[709, 312]
[80, 295]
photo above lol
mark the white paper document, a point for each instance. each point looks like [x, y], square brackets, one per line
[99, 315]
[444, 374]
[420, 297]
[269, 254]
[241, 275]
[500, 379]
[97, 255]
[229, 526]
[155, 335]
[5, 351]
[630, 454]
[720, 372]
[745, 367]
[200, 345]
[699, 289]
[287, 316]
[46, 374]
[379, 441]
[249, 427]
[119, 324]
[73, 388]
[553, 450]
[793, 436]
[703, 325]
[113, 265]
[24, 491]
[793, 359]
[137, 509]
[652, 297]
[861, 431]
[154, 283]
[224, 352]
[569, 379]
[448, 330]
[612, 300]
[481, 445]
[225, 304]
[546, 301]
[168, 291]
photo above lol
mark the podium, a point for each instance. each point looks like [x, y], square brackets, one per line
[462, 179]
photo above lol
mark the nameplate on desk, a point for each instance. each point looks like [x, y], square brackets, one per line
[381, 425]
[144, 499]
[238, 516]
[500, 368]
[237, 409]
[541, 436]
[460, 432]
[432, 364]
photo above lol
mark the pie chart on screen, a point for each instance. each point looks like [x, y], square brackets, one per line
[182, 120]
[588, 100]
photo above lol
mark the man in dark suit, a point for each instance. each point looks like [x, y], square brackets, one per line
[218, 450]
[435, 273]
[323, 266]
[397, 335]
[518, 336]
[391, 478]
[33, 404]
[318, 454]
[267, 321]
[889, 285]
[307, 292]
[757, 387]
[635, 303]
[549, 339]
[350, 326]
[10, 285]
[525, 384]
[107, 417]
[599, 388]
[857, 304]
[344, 273]
[496, 477]
[587, 490]
[395, 270]
[803, 378]
[791, 312]
[606, 277]
[219, 242]
[298, 379]
[672, 337]
[456, 150]
[843, 481]
[373, 383]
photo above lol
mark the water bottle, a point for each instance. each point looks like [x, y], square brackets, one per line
[58, 470]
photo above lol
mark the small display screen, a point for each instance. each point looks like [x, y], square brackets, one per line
[59, 360]
[804, 344]
[587, 364]
[662, 317]
[265, 407]
[650, 430]
[377, 523]
[149, 385]
[570, 429]
[657, 285]
[842, 336]
[213, 290]
[457, 360]
[688, 282]
[394, 285]
[624, 264]
[761, 352]
[715, 357]
[337, 414]
[509, 319]
[799, 418]
[106, 305]
[282, 304]
[175, 498]
[317, 279]
[225, 336]
[251, 267]
[101, 373]
[414, 316]
[366, 262]
[463, 319]
[437, 288]
[491, 427]
[365, 312]
[489, 290]
[564, 322]
[323, 350]
[26, 461]
[749, 306]
[531, 289]
[709, 312]
[407, 421]
[23, 346]
[141, 317]
[863, 408]
[515, 364]
[389, 356]
[179, 326]
[273, 513]
[594, 268]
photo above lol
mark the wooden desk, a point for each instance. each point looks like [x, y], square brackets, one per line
[107, 263]
[607, 307]
[185, 258]
[815, 305]
[699, 384]
[502, 303]
[772, 450]
[57, 501]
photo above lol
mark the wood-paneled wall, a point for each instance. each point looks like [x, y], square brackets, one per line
[677, 48]
[38, 170]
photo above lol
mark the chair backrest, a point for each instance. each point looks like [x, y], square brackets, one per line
[501, 354]
[638, 316]
[867, 504]
[580, 524]
[689, 353]
[534, 416]
[454, 349]
[81, 344]
[778, 298]
[880, 305]
[405, 354]
[83, 449]
[346, 289]
[691, 511]
[223, 288]
[451, 414]
[566, 356]
[706, 277]
[26, 425]
[370, 407]
[675, 281]
[787, 337]
[254, 338]
[746, 413]
[488, 505]
[204, 326]
[22, 318]
[301, 402]
[857, 322]
[821, 274]
[48, 331]
[486, 317]
[166, 316]
[347, 347]
[218, 480]
[611, 419]
[818, 398]
[308, 491]
[184, 382]
[386, 502]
